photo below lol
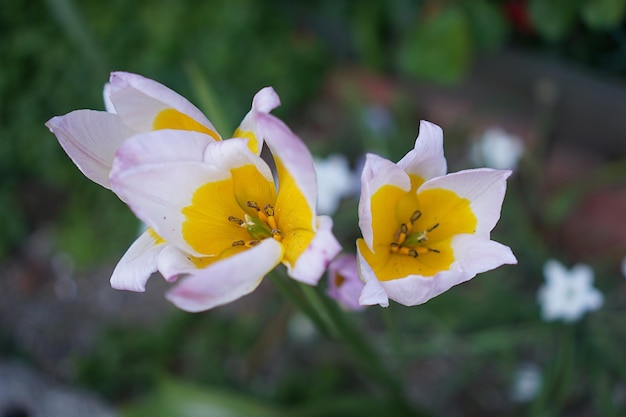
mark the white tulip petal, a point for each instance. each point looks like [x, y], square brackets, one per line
[226, 280]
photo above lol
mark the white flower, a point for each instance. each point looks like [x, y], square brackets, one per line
[567, 295]
[425, 231]
[497, 149]
[335, 181]
[624, 266]
[526, 383]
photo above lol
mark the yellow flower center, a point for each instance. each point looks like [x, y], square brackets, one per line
[412, 232]
[259, 227]
[407, 241]
[237, 213]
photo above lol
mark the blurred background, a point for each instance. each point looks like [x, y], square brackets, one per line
[536, 86]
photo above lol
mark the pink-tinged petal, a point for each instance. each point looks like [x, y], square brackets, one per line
[484, 187]
[162, 146]
[230, 154]
[158, 192]
[377, 172]
[426, 160]
[138, 100]
[173, 262]
[344, 284]
[90, 138]
[478, 254]
[312, 263]
[373, 292]
[264, 101]
[138, 263]
[226, 280]
[416, 289]
[106, 96]
[292, 156]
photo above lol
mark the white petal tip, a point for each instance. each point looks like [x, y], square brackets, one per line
[265, 100]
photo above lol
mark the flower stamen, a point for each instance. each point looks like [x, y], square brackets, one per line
[407, 242]
[252, 243]
[236, 220]
[259, 227]
[271, 221]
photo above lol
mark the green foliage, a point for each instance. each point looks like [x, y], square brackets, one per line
[184, 400]
[554, 19]
[603, 14]
[487, 25]
[438, 47]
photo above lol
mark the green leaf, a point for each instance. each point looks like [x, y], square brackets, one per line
[486, 23]
[438, 47]
[177, 399]
[553, 19]
[603, 14]
[182, 400]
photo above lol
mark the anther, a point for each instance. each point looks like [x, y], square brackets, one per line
[254, 205]
[433, 227]
[415, 216]
[252, 243]
[235, 220]
[239, 243]
[277, 235]
[413, 253]
[269, 210]
[394, 247]
[433, 250]
[401, 235]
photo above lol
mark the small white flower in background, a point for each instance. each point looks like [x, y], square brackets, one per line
[498, 149]
[526, 383]
[568, 295]
[335, 181]
[624, 266]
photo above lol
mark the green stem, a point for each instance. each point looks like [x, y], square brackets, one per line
[362, 349]
[316, 303]
[333, 322]
[394, 337]
[292, 293]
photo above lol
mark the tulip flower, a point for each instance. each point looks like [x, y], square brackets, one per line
[162, 157]
[425, 231]
[344, 284]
